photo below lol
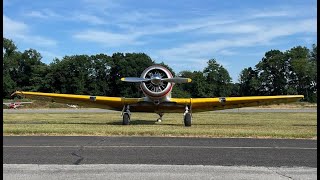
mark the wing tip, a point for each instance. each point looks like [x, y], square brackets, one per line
[14, 93]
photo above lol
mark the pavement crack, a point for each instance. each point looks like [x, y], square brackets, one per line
[77, 153]
[280, 174]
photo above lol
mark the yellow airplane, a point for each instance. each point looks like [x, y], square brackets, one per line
[156, 83]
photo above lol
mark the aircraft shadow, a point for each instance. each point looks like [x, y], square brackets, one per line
[56, 123]
[215, 124]
[134, 122]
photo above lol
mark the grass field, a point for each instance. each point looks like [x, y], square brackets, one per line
[211, 124]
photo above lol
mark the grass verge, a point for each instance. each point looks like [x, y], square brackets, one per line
[211, 124]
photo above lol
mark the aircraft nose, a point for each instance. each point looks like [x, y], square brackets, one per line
[156, 80]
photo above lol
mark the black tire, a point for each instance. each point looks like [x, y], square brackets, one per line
[187, 119]
[125, 119]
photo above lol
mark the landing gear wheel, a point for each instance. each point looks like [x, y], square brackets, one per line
[187, 119]
[126, 119]
[160, 117]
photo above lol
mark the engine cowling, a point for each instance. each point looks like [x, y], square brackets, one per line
[156, 89]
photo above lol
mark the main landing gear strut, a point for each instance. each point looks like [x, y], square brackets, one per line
[160, 117]
[126, 115]
[187, 118]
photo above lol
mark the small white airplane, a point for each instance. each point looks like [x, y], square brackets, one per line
[72, 105]
[156, 82]
[15, 105]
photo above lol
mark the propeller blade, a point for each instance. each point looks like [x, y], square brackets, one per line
[177, 80]
[134, 79]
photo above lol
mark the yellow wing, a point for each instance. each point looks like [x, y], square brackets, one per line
[174, 105]
[211, 104]
[113, 103]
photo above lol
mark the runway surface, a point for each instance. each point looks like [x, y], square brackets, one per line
[83, 157]
[159, 150]
[95, 110]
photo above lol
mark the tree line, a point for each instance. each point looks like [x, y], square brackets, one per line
[277, 73]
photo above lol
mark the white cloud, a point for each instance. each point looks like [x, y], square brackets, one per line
[287, 29]
[40, 40]
[268, 14]
[227, 52]
[37, 14]
[106, 38]
[232, 28]
[88, 18]
[73, 16]
[18, 30]
[100, 5]
[11, 27]
[203, 49]
[43, 14]
[48, 56]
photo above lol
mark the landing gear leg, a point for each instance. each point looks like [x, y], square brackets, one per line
[187, 118]
[160, 118]
[126, 115]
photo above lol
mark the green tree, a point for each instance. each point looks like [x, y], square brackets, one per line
[32, 71]
[313, 72]
[235, 90]
[99, 72]
[218, 79]
[249, 83]
[10, 67]
[198, 86]
[302, 72]
[71, 74]
[272, 71]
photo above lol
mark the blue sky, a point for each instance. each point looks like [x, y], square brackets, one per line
[184, 34]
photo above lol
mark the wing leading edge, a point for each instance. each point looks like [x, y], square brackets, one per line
[211, 104]
[113, 103]
[175, 104]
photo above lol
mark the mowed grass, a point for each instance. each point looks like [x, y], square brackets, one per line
[210, 124]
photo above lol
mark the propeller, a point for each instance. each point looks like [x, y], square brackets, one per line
[156, 79]
[134, 79]
[177, 80]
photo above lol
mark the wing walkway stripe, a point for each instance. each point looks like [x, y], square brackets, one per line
[190, 147]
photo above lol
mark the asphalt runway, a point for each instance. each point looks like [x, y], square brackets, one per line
[82, 157]
[50, 157]
[159, 150]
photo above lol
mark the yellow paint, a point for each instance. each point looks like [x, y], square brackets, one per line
[198, 104]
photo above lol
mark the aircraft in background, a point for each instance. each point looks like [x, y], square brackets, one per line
[15, 105]
[72, 106]
[156, 82]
